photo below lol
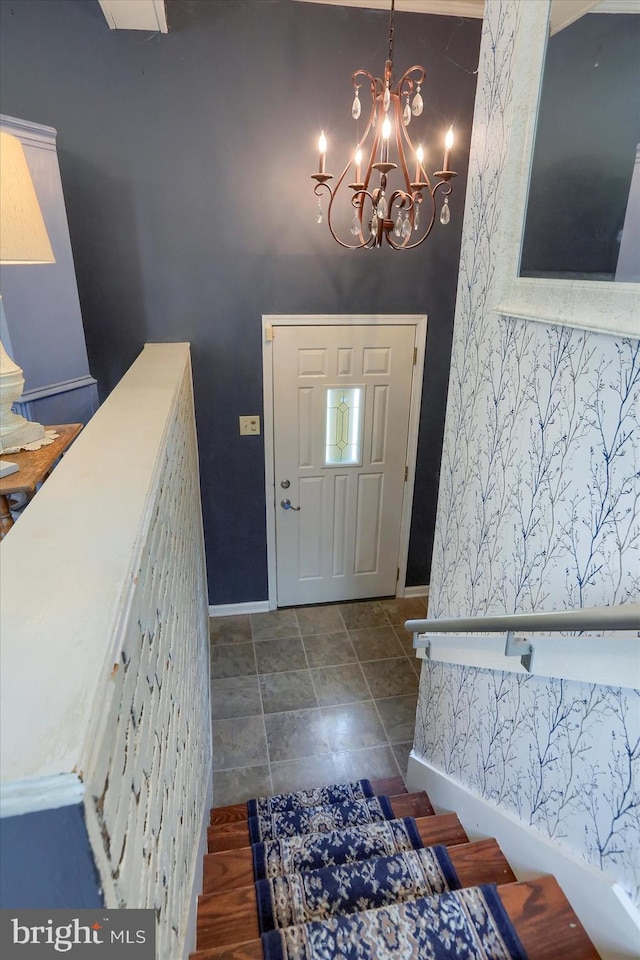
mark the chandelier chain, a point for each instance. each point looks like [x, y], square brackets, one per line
[391, 28]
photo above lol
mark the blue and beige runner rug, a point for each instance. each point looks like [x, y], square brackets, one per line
[338, 878]
[315, 797]
[347, 888]
[276, 858]
[333, 816]
[469, 924]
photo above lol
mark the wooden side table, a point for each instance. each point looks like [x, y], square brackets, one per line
[34, 467]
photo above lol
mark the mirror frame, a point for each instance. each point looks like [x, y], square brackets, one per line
[602, 306]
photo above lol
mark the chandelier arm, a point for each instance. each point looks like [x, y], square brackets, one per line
[413, 205]
[422, 76]
[409, 246]
[319, 187]
[357, 202]
[446, 185]
[364, 73]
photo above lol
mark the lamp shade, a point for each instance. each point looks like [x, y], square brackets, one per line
[23, 235]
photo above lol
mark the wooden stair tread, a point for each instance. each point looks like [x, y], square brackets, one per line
[538, 909]
[230, 916]
[481, 862]
[232, 835]
[545, 922]
[232, 813]
[228, 869]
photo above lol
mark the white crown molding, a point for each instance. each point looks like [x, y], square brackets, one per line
[617, 6]
[28, 131]
[447, 8]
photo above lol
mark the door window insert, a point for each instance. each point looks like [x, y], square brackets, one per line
[344, 407]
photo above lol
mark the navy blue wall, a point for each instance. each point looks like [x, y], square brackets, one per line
[185, 161]
[46, 861]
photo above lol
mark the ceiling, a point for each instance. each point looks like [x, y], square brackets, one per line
[150, 15]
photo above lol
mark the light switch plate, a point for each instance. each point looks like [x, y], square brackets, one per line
[249, 426]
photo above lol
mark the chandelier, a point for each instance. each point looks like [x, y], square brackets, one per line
[388, 205]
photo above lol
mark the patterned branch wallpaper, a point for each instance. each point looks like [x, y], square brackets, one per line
[538, 510]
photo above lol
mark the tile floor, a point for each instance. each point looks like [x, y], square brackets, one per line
[310, 696]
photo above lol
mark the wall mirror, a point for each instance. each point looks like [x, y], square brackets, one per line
[545, 271]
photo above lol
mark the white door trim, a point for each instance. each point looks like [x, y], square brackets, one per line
[271, 321]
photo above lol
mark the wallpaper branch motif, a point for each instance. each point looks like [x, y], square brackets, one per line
[537, 510]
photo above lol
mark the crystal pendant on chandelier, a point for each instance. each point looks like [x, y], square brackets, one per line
[356, 106]
[417, 106]
[355, 225]
[386, 98]
[319, 211]
[416, 218]
[406, 114]
[445, 213]
[397, 229]
[381, 209]
[406, 227]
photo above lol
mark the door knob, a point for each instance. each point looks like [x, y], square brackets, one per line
[285, 484]
[286, 504]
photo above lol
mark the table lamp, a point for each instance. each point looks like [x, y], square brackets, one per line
[23, 239]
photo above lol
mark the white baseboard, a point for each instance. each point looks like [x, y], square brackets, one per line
[416, 591]
[605, 911]
[231, 609]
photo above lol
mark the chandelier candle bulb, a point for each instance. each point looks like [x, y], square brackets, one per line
[448, 143]
[358, 162]
[386, 133]
[322, 149]
[419, 161]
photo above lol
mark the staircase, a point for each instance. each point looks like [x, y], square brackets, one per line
[229, 910]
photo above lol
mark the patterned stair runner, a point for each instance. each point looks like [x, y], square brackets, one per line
[348, 873]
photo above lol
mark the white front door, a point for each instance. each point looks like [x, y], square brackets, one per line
[341, 404]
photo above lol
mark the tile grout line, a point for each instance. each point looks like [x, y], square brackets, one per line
[314, 684]
[264, 722]
[375, 706]
[315, 693]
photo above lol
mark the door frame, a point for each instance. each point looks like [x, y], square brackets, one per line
[270, 323]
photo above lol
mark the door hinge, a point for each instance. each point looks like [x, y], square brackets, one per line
[406, 474]
[268, 333]
[415, 355]
[397, 574]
